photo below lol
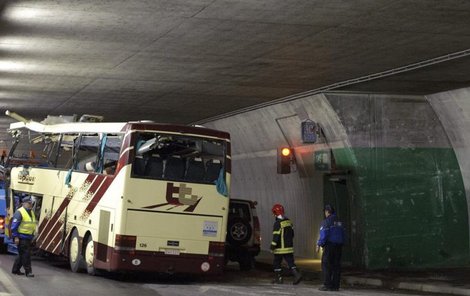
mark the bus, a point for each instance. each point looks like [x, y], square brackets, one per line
[131, 196]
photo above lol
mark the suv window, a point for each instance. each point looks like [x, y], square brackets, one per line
[241, 210]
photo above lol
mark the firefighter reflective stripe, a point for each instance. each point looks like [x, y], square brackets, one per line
[286, 223]
[28, 223]
[282, 237]
[283, 251]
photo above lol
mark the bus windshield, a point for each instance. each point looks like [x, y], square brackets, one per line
[178, 158]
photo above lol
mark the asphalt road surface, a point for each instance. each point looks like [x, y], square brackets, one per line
[53, 277]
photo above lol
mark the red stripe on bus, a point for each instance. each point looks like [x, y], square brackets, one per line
[55, 239]
[40, 230]
[122, 162]
[126, 156]
[53, 220]
[89, 179]
[98, 195]
[47, 224]
[57, 228]
[94, 186]
[57, 232]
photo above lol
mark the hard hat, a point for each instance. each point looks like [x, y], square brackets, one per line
[278, 209]
[329, 208]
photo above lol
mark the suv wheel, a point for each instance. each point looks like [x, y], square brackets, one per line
[239, 231]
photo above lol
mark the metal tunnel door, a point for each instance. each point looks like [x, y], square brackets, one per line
[336, 193]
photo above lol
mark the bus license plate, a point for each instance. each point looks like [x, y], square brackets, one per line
[172, 252]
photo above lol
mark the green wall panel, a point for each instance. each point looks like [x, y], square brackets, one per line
[410, 208]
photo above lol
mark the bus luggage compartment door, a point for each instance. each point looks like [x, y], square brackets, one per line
[158, 231]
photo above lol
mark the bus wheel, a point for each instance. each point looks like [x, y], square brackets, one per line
[75, 257]
[90, 256]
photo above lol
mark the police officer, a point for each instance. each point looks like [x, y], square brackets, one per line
[22, 230]
[282, 245]
[331, 240]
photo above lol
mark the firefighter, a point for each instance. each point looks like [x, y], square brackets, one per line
[282, 245]
[22, 230]
[331, 240]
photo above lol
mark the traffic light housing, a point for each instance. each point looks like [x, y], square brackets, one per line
[284, 159]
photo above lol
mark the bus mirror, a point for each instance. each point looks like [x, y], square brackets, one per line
[147, 146]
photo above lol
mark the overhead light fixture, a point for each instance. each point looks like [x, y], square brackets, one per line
[21, 13]
[9, 66]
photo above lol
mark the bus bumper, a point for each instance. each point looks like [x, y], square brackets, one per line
[163, 263]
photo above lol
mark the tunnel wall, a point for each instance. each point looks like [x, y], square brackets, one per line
[407, 179]
[255, 137]
[408, 203]
[453, 110]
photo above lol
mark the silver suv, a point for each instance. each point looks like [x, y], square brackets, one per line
[243, 233]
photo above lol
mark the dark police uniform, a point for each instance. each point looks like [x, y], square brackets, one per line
[23, 227]
[331, 240]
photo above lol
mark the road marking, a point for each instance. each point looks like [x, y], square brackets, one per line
[5, 279]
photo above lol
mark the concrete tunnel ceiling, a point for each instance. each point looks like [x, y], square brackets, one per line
[182, 61]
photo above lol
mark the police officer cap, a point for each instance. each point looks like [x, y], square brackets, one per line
[27, 199]
[329, 208]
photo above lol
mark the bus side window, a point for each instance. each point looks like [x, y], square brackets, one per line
[154, 167]
[139, 165]
[111, 154]
[64, 157]
[195, 170]
[86, 153]
[174, 168]
[213, 167]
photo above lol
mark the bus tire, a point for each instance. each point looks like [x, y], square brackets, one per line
[75, 256]
[89, 255]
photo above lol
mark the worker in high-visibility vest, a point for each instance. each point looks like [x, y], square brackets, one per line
[23, 227]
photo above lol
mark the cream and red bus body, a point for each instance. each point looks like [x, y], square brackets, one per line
[136, 224]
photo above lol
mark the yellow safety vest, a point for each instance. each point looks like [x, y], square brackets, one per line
[28, 223]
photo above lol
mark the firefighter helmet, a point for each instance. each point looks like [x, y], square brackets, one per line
[278, 209]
